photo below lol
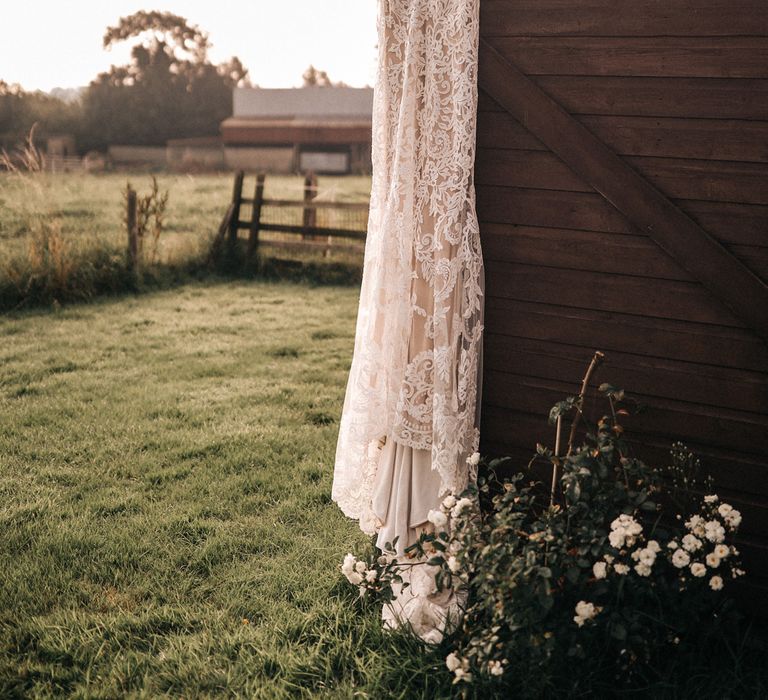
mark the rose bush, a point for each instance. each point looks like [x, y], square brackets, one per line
[617, 566]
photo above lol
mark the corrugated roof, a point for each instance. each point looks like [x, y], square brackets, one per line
[312, 102]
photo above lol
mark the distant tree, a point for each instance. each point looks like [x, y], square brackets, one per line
[169, 89]
[319, 78]
[20, 110]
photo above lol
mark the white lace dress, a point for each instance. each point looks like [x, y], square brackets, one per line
[410, 417]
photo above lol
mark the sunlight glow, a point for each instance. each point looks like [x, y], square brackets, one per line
[48, 43]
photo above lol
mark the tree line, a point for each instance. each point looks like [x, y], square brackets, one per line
[169, 89]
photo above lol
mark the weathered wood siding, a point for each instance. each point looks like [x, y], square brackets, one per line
[679, 90]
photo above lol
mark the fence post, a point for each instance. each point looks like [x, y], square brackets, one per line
[310, 213]
[237, 196]
[133, 233]
[258, 199]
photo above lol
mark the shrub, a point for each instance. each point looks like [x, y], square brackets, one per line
[613, 571]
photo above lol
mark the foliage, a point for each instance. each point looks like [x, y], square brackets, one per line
[313, 77]
[22, 110]
[598, 578]
[150, 217]
[169, 90]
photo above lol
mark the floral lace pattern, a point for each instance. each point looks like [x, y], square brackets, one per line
[415, 371]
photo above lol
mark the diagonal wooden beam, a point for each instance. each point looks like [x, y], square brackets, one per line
[695, 250]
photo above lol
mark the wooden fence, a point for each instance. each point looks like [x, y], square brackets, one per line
[314, 222]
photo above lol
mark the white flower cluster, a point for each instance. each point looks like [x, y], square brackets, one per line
[460, 668]
[358, 573]
[624, 531]
[585, 611]
[702, 547]
[645, 557]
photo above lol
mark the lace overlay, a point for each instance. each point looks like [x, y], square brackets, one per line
[416, 364]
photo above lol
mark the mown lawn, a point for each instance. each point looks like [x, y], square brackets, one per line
[165, 516]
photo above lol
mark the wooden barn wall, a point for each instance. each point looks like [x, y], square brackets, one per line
[679, 90]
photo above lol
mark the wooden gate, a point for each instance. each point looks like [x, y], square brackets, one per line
[622, 182]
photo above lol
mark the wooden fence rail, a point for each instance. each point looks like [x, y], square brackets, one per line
[301, 218]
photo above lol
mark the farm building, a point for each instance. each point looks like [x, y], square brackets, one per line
[322, 129]
[622, 192]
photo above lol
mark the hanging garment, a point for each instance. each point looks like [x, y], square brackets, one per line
[411, 411]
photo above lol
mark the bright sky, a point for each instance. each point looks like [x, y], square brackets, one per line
[57, 43]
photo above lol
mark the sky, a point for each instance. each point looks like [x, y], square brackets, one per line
[58, 43]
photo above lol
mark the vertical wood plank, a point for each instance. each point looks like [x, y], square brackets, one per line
[133, 237]
[258, 200]
[310, 213]
[237, 196]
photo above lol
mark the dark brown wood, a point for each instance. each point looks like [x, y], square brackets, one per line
[623, 18]
[596, 251]
[611, 331]
[650, 376]
[626, 294]
[237, 198]
[722, 274]
[314, 231]
[511, 431]
[729, 223]
[720, 427]
[702, 98]
[662, 56]
[313, 204]
[133, 233]
[716, 98]
[258, 200]
[720, 181]
[710, 139]
[310, 214]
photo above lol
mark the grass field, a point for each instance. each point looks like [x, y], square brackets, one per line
[166, 523]
[63, 238]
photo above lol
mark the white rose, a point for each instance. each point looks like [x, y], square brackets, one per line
[371, 576]
[716, 583]
[672, 544]
[722, 551]
[691, 543]
[698, 569]
[495, 668]
[711, 499]
[474, 459]
[599, 569]
[680, 558]
[461, 504]
[349, 564]
[355, 579]
[713, 561]
[453, 564]
[724, 509]
[437, 518]
[584, 611]
[647, 557]
[360, 567]
[616, 538]
[734, 519]
[714, 531]
[621, 569]
[653, 545]
[643, 569]
[452, 662]
[449, 502]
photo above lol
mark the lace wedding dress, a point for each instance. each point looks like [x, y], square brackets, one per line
[411, 412]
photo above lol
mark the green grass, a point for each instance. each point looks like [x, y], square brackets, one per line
[62, 237]
[165, 474]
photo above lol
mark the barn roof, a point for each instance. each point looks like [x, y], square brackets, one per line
[315, 103]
